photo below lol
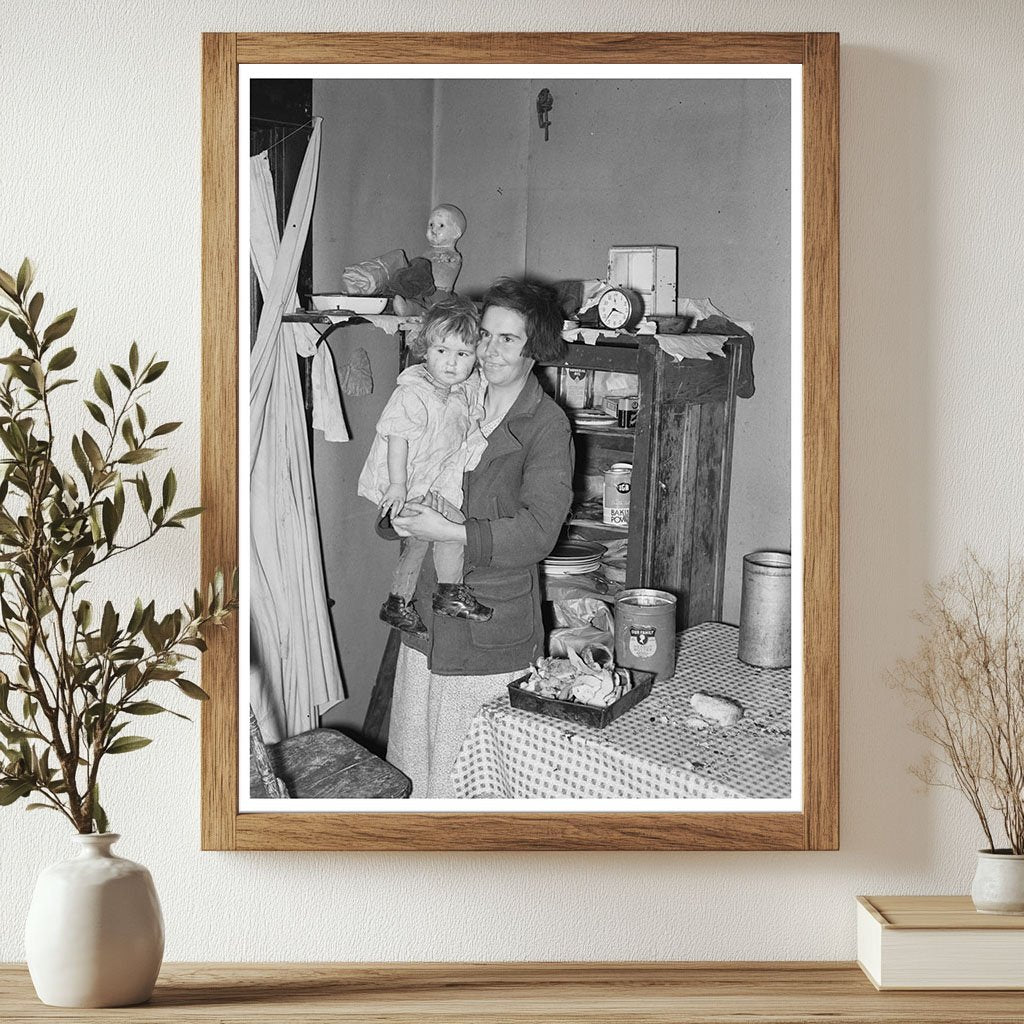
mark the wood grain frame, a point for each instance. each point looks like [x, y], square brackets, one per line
[817, 826]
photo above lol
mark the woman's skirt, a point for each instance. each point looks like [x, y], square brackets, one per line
[430, 716]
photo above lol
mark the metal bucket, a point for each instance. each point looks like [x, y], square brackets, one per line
[645, 631]
[765, 609]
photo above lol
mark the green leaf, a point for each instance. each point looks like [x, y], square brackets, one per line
[80, 458]
[99, 817]
[145, 498]
[171, 674]
[16, 359]
[8, 284]
[144, 707]
[12, 733]
[95, 412]
[109, 521]
[92, 449]
[20, 328]
[191, 690]
[108, 627]
[102, 388]
[125, 744]
[4, 314]
[138, 614]
[14, 790]
[140, 415]
[83, 613]
[41, 807]
[34, 308]
[154, 372]
[129, 653]
[165, 428]
[186, 513]
[60, 326]
[121, 374]
[170, 487]
[138, 455]
[26, 274]
[133, 358]
[63, 359]
[128, 433]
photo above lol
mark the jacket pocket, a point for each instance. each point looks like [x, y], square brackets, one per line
[511, 597]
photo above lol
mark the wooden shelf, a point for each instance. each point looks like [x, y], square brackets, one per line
[442, 993]
[604, 431]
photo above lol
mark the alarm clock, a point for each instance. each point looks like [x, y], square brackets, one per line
[620, 309]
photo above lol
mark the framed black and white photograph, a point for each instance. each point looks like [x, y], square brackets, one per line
[536, 513]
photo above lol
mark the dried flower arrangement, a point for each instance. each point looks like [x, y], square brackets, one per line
[967, 678]
[79, 677]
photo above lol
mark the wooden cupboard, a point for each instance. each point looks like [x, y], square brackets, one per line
[681, 453]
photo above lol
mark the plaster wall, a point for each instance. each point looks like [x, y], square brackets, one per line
[373, 196]
[100, 175]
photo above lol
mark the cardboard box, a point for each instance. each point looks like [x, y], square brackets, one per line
[649, 270]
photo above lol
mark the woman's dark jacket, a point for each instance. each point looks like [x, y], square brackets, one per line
[515, 501]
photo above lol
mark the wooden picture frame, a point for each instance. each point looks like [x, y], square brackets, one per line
[816, 826]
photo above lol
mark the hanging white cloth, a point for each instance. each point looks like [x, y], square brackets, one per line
[294, 665]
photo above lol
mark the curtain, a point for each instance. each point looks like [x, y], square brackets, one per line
[294, 664]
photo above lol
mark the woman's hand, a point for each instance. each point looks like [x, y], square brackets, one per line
[425, 523]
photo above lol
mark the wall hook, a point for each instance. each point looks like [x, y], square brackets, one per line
[544, 103]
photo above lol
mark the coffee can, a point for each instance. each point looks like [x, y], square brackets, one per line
[764, 637]
[617, 481]
[645, 631]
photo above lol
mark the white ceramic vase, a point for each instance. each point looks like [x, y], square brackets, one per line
[999, 882]
[95, 933]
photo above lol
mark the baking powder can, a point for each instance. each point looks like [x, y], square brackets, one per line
[616, 494]
[645, 631]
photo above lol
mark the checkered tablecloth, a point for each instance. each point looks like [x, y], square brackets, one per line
[653, 751]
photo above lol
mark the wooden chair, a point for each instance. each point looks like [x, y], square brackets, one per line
[321, 764]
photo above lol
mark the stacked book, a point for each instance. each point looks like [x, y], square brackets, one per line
[938, 942]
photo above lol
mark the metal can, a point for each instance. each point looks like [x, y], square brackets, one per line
[617, 481]
[576, 387]
[645, 631]
[765, 614]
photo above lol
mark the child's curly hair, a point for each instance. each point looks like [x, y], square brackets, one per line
[452, 315]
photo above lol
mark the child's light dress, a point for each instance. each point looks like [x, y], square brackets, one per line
[441, 423]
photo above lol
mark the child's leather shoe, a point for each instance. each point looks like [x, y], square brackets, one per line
[457, 600]
[401, 614]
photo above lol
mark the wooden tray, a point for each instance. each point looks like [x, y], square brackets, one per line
[582, 714]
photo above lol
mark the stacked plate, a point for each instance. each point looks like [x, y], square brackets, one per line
[592, 418]
[574, 558]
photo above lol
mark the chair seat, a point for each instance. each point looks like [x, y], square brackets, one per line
[324, 764]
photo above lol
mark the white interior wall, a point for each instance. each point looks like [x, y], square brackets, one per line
[100, 177]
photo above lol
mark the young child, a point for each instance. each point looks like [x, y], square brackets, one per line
[427, 436]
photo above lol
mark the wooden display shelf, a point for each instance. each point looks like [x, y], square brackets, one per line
[524, 993]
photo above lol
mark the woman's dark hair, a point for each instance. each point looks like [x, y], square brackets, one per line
[542, 315]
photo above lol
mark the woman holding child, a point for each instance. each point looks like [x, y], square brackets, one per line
[514, 504]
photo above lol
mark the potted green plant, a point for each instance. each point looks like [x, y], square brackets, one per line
[81, 670]
[967, 681]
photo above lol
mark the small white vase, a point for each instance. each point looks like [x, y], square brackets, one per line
[999, 882]
[95, 933]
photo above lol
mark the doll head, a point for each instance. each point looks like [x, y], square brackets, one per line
[446, 226]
